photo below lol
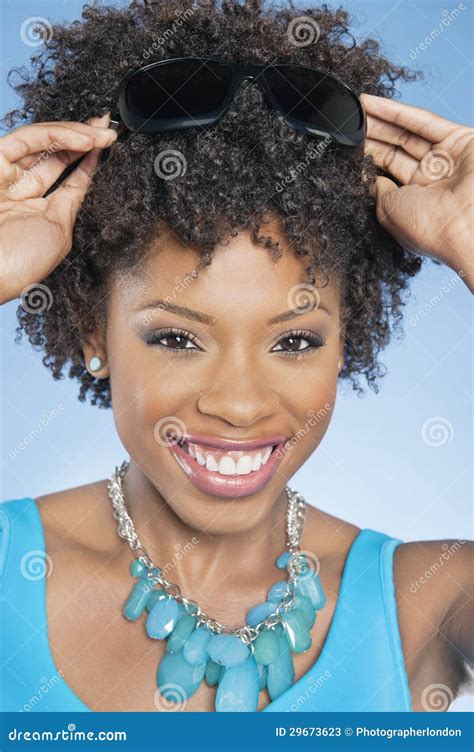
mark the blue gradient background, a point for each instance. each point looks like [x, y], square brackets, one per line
[373, 467]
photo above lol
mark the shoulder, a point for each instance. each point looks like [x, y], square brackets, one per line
[434, 574]
[328, 536]
[434, 588]
[79, 517]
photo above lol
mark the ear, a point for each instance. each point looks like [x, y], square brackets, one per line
[95, 355]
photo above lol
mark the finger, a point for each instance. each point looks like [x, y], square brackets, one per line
[48, 166]
[66, 200]
[54, 136]
[389, 203]
[392, 159]
[381, 130]
[422, 122]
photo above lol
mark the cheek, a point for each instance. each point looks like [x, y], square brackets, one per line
[309, 398]
[148, 395]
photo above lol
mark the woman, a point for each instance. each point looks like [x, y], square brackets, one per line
[214, 305]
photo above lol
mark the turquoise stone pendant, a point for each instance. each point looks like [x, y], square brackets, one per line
[280, 673]
[238, 688]
[176, 679]
[162, 618]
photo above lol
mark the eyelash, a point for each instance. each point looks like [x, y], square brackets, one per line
[315, 342]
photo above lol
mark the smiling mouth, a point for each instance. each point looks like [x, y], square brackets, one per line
[226, 463]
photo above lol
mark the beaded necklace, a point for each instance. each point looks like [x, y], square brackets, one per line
[239, 661]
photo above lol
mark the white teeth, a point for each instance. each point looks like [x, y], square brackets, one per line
[200, 458]
[266, 455]
[237, 464]
[257, 461]
[227, 466]
[244, 465]
[211, 464]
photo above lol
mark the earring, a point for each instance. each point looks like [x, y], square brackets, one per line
[95, 363]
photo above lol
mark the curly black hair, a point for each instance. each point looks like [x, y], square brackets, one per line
[241, 171]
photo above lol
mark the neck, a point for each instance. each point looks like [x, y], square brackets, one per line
[195, 559]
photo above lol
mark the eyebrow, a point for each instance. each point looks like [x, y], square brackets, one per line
[204, 318]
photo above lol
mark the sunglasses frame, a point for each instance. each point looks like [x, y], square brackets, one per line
[240, 72]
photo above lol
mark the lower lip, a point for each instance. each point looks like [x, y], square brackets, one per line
[229, 486]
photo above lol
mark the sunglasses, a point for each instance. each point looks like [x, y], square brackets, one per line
[186, 92]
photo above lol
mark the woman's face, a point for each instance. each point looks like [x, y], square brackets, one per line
[253, 355]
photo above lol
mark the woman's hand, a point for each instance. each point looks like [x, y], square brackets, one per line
[433, 158]
[36, 232]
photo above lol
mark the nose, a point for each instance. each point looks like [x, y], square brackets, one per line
[238, 393]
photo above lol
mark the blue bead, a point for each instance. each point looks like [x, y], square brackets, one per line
[137, 568]
[213, 672]
[281, 673]
[310, 586]
[181, 632]
[157, 594]
[194, 649]
[262, 676]
[177, 680]
[296, 631]
[259, 613]
[136, 601]
[162, 618]
[227, 650]
[283, 559]
[278, 591]
[238, 688]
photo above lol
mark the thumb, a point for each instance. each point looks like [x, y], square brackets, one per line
[387, 197]
[66, 200]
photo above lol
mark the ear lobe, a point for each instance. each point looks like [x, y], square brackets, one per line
[95, 356]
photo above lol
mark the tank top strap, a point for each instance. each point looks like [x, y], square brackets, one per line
[28, 674]
[367, 629]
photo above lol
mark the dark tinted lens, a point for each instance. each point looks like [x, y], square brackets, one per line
[315, 98]
[178, 89]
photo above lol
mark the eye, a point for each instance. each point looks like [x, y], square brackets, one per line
[176, 340]
[296, 344]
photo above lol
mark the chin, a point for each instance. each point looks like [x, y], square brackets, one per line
[215, 516]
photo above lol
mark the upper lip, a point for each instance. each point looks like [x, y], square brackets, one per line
[216, 442]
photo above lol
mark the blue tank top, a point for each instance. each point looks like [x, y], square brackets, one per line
[360, 668]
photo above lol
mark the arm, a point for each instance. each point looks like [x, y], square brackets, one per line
[431, 212]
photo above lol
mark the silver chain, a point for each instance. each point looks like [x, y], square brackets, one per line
[295, 516]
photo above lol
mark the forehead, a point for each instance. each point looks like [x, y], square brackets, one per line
[242, 276]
